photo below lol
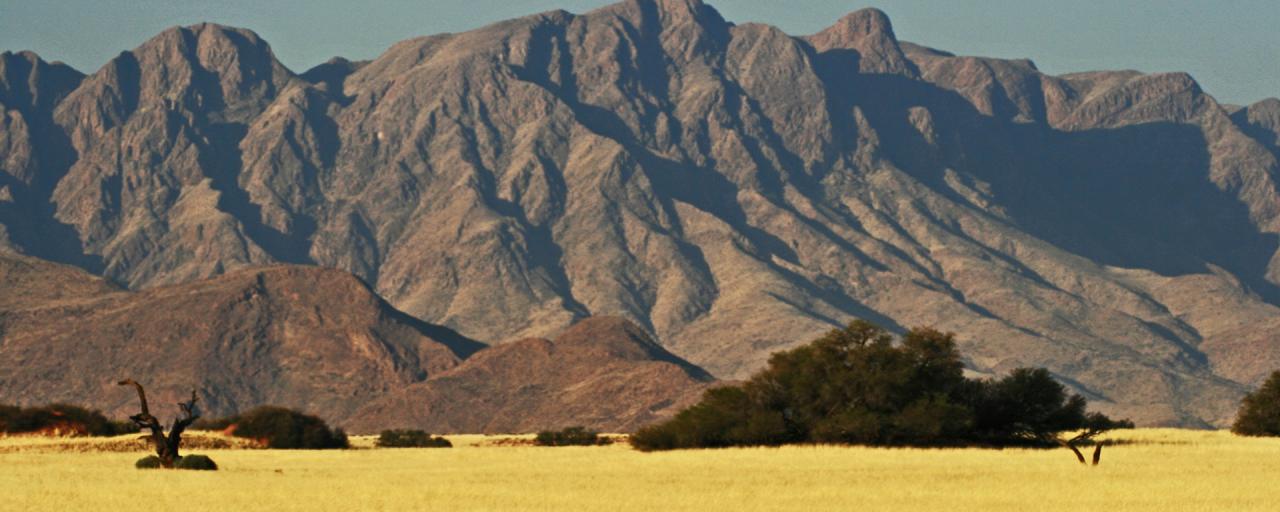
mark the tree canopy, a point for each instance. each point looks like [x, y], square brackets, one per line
[1259, 414]
[857, 386]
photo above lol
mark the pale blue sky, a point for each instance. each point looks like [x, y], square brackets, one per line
[1232, 46]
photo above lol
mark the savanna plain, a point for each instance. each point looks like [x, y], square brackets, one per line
[1145, 469]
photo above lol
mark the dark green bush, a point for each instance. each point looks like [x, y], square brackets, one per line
[14, 420]
[218, 424]
[285, 429]
[1029, 407]
[1259, 413]
[856, 386]
[195, 462]
[410, 439]
[572, 436]
[8, 416]
[148, 462]
[192, 462]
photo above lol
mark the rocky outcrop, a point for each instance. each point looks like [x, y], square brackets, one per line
[731, 189]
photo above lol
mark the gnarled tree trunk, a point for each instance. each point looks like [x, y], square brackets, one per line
[166, 446]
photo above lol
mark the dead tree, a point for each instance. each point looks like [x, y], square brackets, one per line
[166, 446]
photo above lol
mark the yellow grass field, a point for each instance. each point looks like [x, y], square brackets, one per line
[1157, 470]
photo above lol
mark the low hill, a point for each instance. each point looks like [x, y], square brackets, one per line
[302, 337]
[603, 372]
[318, 340]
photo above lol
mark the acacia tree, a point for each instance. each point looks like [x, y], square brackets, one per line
[858, 386]
[1259, 414]
[166, 445]
[1029, 407]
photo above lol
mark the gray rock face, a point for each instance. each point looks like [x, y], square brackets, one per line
[732, 189]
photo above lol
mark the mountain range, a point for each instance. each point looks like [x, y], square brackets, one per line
[729, 189]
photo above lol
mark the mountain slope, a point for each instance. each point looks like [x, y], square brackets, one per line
[732, 189]
[318, 340]
[310, 338]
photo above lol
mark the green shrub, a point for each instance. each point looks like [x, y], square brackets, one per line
[410, 439]
[196, 462]
[192, 462]
[1029, 407]
[572, 436]
[285, 429]
[1259, 413]
[148, 462]
[856, 386]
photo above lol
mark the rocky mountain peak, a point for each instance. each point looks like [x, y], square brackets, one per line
[1261, 120]
[686, 28]
[27, 82]
[227, 67]
[864, 21]
[332, 73]
[202, 68]
[869, 33]
[685, 11]
[30, 89]
[1117, 99]
[1270, 105]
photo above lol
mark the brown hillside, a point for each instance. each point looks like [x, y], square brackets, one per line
[310, 338]
[603, 373]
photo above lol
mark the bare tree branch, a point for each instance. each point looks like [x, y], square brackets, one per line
[1079, 456]
[180, 425]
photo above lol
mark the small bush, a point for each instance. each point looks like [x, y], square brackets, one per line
[572, 436]
[196, 462]
[285, 429]
[1259, 414]
[148, 462]
[192, 462]
[410, 439]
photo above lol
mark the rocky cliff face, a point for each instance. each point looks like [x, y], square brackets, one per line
[732, 189]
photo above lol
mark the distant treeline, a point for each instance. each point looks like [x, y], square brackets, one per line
[857, 386]
[62, 419]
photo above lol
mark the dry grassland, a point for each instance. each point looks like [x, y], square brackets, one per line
[1156, 470]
